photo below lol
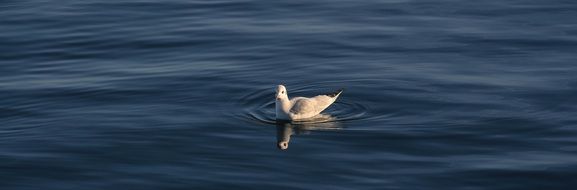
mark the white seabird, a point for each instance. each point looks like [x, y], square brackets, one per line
[300, 108]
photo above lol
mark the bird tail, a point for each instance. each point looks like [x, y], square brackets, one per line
[336, 93]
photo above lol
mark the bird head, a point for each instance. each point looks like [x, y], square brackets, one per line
[281, 92]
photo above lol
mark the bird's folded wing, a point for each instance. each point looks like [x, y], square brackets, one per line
[312, 106]
[323, 102]
[303, 106]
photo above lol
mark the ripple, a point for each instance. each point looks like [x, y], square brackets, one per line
[259, 106]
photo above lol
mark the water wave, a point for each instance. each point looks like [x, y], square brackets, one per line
[259, 106]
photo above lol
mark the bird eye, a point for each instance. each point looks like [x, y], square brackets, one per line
[282, 92]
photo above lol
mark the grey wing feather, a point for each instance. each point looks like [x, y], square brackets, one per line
[313, 106]
[322, 102]
[303, 106]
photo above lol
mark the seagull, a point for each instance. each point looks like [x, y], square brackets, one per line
[301, 108]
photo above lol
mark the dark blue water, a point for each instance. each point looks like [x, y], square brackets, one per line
[179, 94]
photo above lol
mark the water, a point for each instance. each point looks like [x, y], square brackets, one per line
[179, 94]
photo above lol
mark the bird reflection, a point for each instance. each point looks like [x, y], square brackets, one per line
[283, 134]
[285, 129]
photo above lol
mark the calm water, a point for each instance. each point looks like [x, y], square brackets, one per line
[179, 94]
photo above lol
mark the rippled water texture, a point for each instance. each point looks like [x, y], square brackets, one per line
[179, 94]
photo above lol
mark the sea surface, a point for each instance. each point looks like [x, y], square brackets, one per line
[179, 94]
